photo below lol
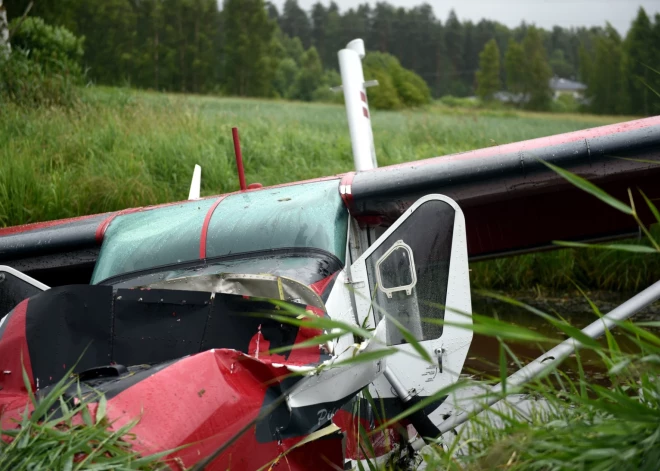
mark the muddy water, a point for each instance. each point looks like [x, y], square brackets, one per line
[482, 361]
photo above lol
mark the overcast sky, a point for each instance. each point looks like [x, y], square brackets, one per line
[543, 13]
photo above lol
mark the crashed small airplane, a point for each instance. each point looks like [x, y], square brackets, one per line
[180, 313]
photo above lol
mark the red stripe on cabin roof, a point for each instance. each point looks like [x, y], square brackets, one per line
[100, 230]
[205, 227]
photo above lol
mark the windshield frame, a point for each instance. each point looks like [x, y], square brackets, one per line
[310, 252]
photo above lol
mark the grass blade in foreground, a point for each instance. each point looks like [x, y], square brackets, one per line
[589, 187]
[45, 442]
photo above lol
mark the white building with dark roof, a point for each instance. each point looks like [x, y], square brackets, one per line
[562, 86]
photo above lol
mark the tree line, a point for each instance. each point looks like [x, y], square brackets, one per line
[252, 48]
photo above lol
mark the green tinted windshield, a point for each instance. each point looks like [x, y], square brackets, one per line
[310, 215]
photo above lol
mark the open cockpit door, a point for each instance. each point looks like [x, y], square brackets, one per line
[418, 270]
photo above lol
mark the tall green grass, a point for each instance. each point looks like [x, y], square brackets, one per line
[565, 268]
[120, 148]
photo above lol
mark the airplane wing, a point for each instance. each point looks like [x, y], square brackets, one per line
[512, 202]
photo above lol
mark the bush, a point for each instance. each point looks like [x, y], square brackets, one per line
[285, 77]
[56, 49]
[331, 78]
[398, 87]
[44, 66]
[26, 83]
[385, 95]
[456, 102]
[412, 88]
[565, 104]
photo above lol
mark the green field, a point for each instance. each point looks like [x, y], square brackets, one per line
[121, 148]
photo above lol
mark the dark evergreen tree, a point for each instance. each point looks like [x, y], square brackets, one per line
[273, 13]
[560, 66]
[310, 76]
[605, 77]
[640, 52]
[319, 17]
[514, 63]
[295, 22]
[488, 75]
[537, 72]
[247, 45]
[454, 48]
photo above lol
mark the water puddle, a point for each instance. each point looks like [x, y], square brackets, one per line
[483, 357]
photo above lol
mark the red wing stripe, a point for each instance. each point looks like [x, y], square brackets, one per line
[205, 227]
[363, 97]
[42, 225]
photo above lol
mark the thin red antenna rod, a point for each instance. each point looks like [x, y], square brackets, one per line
[239, 159]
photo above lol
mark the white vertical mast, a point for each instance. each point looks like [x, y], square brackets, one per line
[357, 107]
[5, 47]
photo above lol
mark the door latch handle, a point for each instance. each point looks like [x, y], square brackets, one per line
[440, 352]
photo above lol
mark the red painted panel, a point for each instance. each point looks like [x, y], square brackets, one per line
[345, 189]
[320, 286]
[382, 442]
[217, 394]
[15, 356]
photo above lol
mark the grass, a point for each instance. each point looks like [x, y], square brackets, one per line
[62, 434]
[121, 148]
[561, 270]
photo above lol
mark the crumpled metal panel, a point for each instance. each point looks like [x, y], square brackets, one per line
[262, 286]
[217, 394]
[311, 215]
